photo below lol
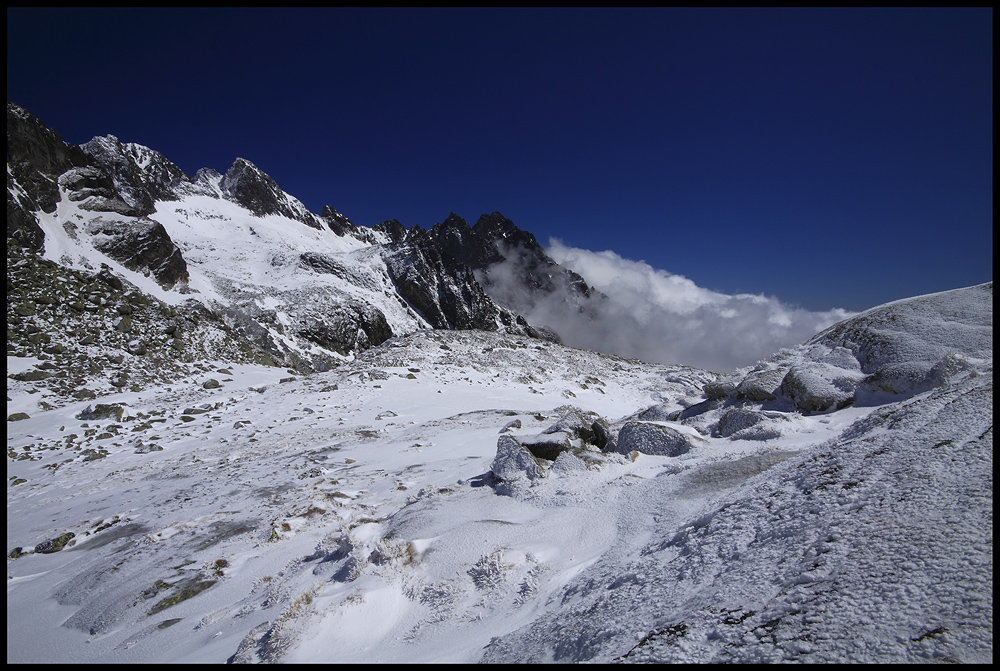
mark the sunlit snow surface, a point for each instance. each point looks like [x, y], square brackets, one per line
[349, 516]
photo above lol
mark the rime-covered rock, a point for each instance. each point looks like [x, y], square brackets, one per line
[749, 423]
[898, 344]
[585, 426]
[819, 387]
[737, 419]
[719, 390]
[761, 385]
[650, 438]
[513, 461]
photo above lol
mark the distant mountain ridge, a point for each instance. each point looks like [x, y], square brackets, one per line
[124, 193]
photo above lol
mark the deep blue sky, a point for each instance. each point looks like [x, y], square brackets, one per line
[830, 158]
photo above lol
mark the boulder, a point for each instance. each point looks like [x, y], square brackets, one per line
[514, 462]
[588, 427]
[749, 424]
[513, 424]
[819, 387]
[761, 385]
[547, 446]
[650, 438]
[54, 544]
[102, 411]
[717, 391]
[32, 375]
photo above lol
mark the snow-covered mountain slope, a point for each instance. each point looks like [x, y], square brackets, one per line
[241, 247]
[241, 431]
[357, 514]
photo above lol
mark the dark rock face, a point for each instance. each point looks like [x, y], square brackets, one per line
[444, 272]
[142, 245]
[251, 188]
[138, 176]
[394, 230]
[22, 224]
[464, 244]
[518, 274]
[36, 155]
[30, 142]
[441, 287]
[335, 221]
[95, 188]
[351, 328]
[539, 271]
[246, 184]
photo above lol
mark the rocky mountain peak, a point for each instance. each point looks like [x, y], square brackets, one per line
[433, 272]
[36, 155]
[393, 229]
[336, 221]
[30, 142]
[497, 228]
[246, 184]
[251, 187]
[459, 242]
[453, 221]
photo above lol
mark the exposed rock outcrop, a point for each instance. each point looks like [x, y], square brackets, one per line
[248, 185]
[137, 176]
[442, 288]
[142, 245]
[36, 156]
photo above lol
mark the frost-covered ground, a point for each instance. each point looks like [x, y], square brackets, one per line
[351, 515]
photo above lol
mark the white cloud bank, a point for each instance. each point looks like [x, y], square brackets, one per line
[659, 317]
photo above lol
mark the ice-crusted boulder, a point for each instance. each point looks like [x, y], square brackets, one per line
[719, 390]
[904, 347]
[573, 443]
[820, 387]
[761, 385]
[653, 438]
[584, 426]
[513, 461]
[750, 424]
